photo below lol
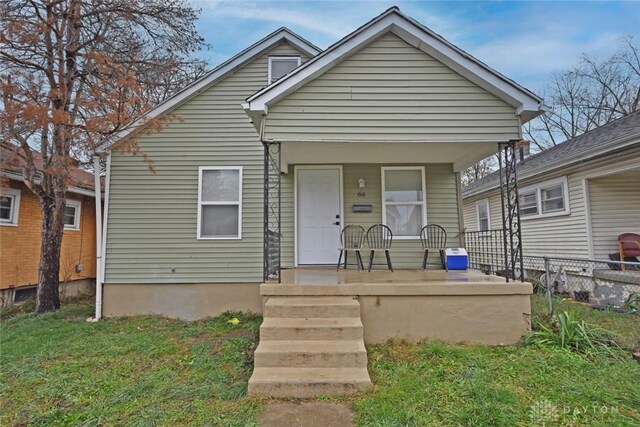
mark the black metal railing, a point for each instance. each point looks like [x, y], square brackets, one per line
[486, 251]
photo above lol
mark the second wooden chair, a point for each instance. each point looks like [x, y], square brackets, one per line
[380, 237]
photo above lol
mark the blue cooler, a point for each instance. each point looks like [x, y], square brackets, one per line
[457, 259]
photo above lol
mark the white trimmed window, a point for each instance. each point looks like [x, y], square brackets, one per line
[9, 206]
[72, 215]
[220, 202]
[404, 205]
[548, 198]
[482, 209]
[280, 66]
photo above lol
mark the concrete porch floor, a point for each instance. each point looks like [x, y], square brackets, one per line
[327, 281]
[331, 276]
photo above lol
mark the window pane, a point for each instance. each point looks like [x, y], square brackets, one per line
[403, 186]
[552, 199]
[282, 67]
[70, 216]
[404, 220]
[552, 193]
[219, 221]
[220, 185]
[528, 204]
[5, 208]
[484, 224]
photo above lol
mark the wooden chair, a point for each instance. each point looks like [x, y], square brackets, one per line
[380, 237]
[629, 246]
[351, 239]
[434, 237]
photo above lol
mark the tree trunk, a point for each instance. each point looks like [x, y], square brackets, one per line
[48, 298]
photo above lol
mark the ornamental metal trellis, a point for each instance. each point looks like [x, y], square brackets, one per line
[510, 202]
[272, 210]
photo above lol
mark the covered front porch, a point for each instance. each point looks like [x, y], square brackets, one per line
[312, 193]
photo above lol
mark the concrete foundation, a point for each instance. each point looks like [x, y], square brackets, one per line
[181, 301]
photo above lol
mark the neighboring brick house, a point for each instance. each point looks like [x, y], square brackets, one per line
[20, 228]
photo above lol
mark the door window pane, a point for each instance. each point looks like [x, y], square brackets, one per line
[220, 221]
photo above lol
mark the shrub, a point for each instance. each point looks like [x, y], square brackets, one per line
[567, 331]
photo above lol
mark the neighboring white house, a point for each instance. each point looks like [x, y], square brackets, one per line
[575, 198]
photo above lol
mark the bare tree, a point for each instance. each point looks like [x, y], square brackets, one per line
[589, 95]
[72, 74]
[478, 171]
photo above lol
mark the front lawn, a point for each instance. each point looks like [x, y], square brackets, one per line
[58, 369]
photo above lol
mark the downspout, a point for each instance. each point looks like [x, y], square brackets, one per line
[98, 202]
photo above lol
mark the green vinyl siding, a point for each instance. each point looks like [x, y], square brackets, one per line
[391, 91]
[152, 218]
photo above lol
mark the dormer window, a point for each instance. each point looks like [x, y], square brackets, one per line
[280, 66]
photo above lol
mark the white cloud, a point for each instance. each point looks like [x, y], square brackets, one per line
[321, 21]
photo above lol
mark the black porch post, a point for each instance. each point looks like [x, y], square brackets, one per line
[272, 211]
[510, 203]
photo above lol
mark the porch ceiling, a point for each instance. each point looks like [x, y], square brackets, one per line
[460, 154]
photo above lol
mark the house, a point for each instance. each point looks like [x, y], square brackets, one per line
[20, 233]
[275, 151]
[575, 198]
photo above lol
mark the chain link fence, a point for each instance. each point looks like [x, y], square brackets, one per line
[604, 284]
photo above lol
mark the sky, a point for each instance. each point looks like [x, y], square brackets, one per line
[526, 41]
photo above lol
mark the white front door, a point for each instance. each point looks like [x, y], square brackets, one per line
[319, 222]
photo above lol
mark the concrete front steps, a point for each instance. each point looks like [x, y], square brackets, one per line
[310, 346]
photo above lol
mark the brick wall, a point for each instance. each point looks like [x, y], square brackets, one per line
[20, 246]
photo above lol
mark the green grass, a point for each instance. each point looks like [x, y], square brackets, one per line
[57, 369]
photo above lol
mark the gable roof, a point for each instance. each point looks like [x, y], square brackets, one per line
[218, 73]
[621, 133]
[528, 104]
[81, 181]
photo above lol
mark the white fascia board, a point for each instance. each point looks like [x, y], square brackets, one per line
[418, 36]
[218, 73]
